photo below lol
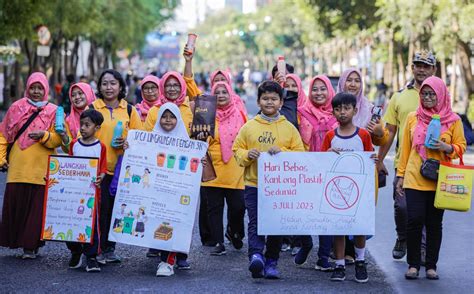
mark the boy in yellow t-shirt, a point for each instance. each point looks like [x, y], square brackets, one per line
[267, 132]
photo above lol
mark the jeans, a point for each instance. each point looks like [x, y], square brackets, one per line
[325, 245]
[421, 212]
[215, 209]
[256, 242]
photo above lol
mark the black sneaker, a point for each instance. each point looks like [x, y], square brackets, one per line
[153, 253]
[361, 271]
[235, 240]
[218, 250]
[92, 265]
[76, 260]
[339, 274]
[400, 249]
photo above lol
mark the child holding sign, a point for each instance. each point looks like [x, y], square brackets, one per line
[267, 132]
[89, 146]
[347, 137]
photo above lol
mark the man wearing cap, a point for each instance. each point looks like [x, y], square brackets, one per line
[401, 104]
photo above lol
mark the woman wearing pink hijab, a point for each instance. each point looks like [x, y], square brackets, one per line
[316, 119]
[150, 94]
[419, 191]
[27, 165]
[224, 76]
[293, 83]
[229, 185]
[81, 96]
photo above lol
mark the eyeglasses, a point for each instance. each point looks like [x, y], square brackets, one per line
[150, 89]
[428, 95]
[173, 86]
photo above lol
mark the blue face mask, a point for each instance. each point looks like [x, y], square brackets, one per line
[37, 104]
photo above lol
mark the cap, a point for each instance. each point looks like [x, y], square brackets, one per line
[426, 57]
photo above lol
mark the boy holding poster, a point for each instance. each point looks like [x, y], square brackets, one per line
[347, 138]
[267, 132]
[89, 146]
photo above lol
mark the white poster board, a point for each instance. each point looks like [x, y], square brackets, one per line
[158, 192]
[70, 197]
[316, 193]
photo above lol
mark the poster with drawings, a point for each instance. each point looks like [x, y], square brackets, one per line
[158, 192]
[316, 193]
[70, 199]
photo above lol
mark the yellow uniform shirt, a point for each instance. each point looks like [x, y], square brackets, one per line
[261, 134]
[410, 161]
[400, 105]
[30, 165]
[192, 89]
[184, 109]
[229, 175]
[106, 131]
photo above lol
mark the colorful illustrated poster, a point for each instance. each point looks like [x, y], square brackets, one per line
[316, 193]
[158, 192]
[70, 197]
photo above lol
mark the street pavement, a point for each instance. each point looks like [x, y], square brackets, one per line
[229, 274]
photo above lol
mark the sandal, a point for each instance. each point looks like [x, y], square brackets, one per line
[412, 274]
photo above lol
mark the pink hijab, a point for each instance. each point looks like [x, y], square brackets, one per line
[21, 110]
[364, 107]
[73, 120]
[317, 120]
[182, 96]
[301, 94]
[230, 121]
[144, 106]
[236, 98]
[423, 115]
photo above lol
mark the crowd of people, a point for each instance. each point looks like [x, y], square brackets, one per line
[324, 120]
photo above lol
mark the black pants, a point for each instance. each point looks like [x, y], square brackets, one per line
[106, 207]
[215, 210]
[204, 227]
[89, 250]
[421, 212]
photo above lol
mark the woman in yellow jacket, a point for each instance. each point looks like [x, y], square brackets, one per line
[229, 184]
[112, 105]
[172, 89]
[27, 165]
[420, 191]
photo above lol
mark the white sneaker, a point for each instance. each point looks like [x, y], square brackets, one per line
[164, 270]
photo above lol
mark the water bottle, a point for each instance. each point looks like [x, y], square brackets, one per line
[281, 65]
[376, 113]
[433, 132]
[118, 130]
[59, 127]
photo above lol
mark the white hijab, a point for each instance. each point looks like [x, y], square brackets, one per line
[180, 129]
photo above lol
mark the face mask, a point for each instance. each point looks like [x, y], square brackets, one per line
[37, 104]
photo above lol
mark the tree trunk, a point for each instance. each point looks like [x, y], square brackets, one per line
[6, 87]
[391, 62]
[453, 78]
[18, 84]
[465, 55]
[401, 68]
[442, 63]
[66, 67]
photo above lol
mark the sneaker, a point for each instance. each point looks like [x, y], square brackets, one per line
[285, 247]
[302, 255]
[423, 256]
[164, 270]
[256, 266]
[400, 249]
[76, 260]
[101, 259]
[295, 250]
[153, 253]
[92, 265]
[271, 269]
[361, 272]
[218, 250]
[111, 257]
[324, 265]
[339, 274]
[28, 254]
[183, 264]
[349, 260]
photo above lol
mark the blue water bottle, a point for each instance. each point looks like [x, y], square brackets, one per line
[59, 126]
[118, 130]
[433, 132]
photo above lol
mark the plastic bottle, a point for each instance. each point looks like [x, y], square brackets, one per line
[59, 126]
[433, 132]
[281, 65]
[190, 44]
[376, 113]
[118, 130]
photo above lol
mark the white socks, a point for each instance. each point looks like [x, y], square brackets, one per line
[360, 253]
[340, 262]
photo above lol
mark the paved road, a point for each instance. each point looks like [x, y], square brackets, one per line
[229, 273]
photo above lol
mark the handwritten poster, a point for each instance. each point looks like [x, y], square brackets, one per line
[316, 193]
[70, 197]
[158, 192]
